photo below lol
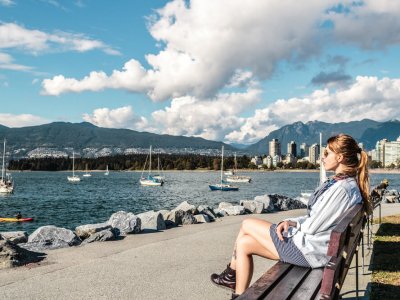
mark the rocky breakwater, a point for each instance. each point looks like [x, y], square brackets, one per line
[17, 248]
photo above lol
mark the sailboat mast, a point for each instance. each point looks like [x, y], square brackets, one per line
[150, 161]
[222, 163]
[73, 163]
[2, 168]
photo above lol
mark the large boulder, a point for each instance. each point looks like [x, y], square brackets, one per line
[84, 231]
[202, 218]
[234, 210]
[209, 211]
[268, 205]
[12, 255]
[152, 220]
[253, 207]
[186, 207]
[125, 222]
[101, 236]
[17, 237]
[51, 237]
[286, 203]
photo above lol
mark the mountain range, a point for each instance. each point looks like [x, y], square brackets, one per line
[85, 135]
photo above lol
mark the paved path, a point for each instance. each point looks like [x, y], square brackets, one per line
[175, 264]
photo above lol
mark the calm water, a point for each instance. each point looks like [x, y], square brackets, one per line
[51, 200]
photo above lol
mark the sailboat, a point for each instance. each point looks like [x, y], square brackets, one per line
[6, 182]
[237, 178]
[222, 186]
[158, 176]
[87, 174]
[73, 178]
[106, 173]
[149, 180]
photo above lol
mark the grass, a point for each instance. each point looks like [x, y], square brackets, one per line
[386, 260]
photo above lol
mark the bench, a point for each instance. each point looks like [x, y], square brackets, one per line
[286, 281]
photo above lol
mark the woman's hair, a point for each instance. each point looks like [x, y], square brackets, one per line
[355, 161]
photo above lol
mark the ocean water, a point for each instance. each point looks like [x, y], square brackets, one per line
[50, 199]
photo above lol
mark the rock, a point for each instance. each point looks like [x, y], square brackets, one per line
[152, 220]
[12, 255]
[51, 237]
[206, 210]
[285, 203]
[234, 210]
[16, 237]
[84, 231]
[174, 218]
[186, 207]
[125, 222]
[223, 205]
[188, 219]
[268, 205]
[101, 236]
[253, 207]
[202, 218]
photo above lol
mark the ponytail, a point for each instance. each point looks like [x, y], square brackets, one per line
[363, 181]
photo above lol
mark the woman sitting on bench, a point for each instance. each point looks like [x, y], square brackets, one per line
[303, 241]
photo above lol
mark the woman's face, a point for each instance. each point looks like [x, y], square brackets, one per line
[330, 159]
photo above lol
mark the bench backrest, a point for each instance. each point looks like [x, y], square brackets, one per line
[344, 242]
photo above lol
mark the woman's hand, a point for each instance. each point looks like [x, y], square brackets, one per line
[283, 227]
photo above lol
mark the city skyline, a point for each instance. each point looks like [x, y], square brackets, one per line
[198, 68]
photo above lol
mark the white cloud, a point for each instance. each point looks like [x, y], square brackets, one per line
[35, 41]
[210, 119]
[6, 63]
[22, 120]
[122, 117]
[7, 2]
[367, 97]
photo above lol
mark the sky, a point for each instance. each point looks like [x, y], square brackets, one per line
[224, 70]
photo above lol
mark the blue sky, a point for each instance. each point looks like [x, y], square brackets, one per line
[222, 70]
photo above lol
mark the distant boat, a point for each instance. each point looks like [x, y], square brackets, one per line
[73, 178]
[222, 186]
[6, 182]
[87, 174]
[106, 173]
[149, 180]
[237, 178]
[229, 173]
[158, 176]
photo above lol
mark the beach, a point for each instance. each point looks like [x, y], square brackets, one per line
[174, 264]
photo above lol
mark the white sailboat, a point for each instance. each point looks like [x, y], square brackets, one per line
[222, 186]
[235, 177]
[107, 172]
[73, 178]
[6, 182]
[159, 176]
[87, 174]
[149, 180]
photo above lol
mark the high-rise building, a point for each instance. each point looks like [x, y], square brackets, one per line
[274, 147]
[304, 150]
[388, 153]
[314, 153]
[292, 148]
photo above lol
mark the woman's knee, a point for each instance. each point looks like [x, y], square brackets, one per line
[252, 225]
[246, 244]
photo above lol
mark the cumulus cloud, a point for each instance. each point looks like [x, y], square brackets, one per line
[15, 36]
[22, 120]
[209, 119]
[206, 43]
[122, 117]
[367, 97]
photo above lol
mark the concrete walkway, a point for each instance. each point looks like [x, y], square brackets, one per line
[175, 264]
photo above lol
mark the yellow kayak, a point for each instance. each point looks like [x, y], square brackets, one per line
[16, 220]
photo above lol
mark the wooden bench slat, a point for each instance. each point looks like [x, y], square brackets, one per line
[267, 281]
[310, 287]
[287, 286]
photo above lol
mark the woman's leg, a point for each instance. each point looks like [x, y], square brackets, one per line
[253, 238]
